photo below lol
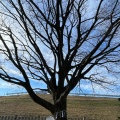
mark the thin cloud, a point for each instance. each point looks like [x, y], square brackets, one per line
[4, 85]
[91, 88]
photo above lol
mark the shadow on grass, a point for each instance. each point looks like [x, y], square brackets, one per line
[118, 118]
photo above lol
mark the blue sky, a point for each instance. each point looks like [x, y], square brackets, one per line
[8, 88]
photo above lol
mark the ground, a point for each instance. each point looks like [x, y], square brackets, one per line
[90, 107]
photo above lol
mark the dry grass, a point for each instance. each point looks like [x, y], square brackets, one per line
[77, 106]
[101, 108]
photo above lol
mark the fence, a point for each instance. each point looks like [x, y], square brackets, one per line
[16, 117]
[96, 95]
[74, 94]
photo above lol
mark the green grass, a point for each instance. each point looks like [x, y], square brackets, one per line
[99, 108]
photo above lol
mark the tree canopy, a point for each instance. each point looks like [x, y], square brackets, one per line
[59, 43]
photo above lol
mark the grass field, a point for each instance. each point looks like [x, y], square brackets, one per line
[99, 108]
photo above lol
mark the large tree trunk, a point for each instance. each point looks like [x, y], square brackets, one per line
[60, 110]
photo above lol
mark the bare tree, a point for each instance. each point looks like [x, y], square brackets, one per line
[59, 43]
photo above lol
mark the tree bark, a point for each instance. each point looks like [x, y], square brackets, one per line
[60, 110]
